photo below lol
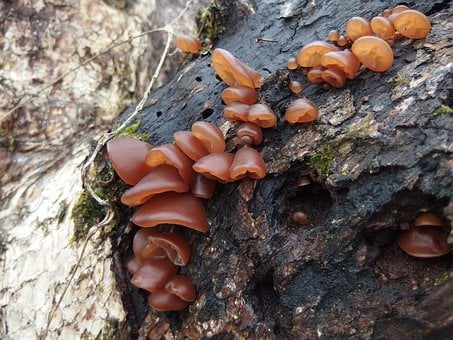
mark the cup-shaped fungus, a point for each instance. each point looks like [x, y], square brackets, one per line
[215, 166]
[161, 179]
[261, 115]
[172, 208]
[295, 87]
[128, 158]
[333, 35]
[382, 27]
[241, 94]
[188, 44]
[426, 238]
[190, 145]
[181, 286]
[302, 110]
[343, 60]
[203, 187]
[399, 8]
[249, 134]
[154, 274]
[334, 77]
[247, 163]
[357, 27]
[315, 74]
[412, 24]
[175, 246]
[342, 41]
[232, 71]
[139, 243]
[374, 53]
[172, 155]
[210, 135]
[292, 64]
[310, 55]
[236, 111]
[179, 292]
[299, 217]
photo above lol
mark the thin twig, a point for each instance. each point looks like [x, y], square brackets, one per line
[102, 141]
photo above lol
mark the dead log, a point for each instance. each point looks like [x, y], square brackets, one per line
[378, 155]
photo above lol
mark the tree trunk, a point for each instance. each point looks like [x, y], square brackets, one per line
[378, 155]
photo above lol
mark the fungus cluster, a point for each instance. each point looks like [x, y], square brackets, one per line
[426, 238]
[366, 43]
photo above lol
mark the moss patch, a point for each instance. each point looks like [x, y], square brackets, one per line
[321, 162]
[109, 332]
[131, 131]
[210, 22]
[441, 279]
[442, 110]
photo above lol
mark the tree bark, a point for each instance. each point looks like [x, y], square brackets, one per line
[378, 155]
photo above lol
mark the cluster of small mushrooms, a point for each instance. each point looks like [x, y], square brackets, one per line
[169, 181]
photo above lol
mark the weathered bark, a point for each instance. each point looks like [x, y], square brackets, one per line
[378, 155]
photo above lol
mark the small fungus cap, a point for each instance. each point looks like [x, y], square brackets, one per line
[154, 274]
[247, 163]
[210, 135]
[215, 166]
[163, 301]
[374, 53]
[203, 187]
[425, 241]
[343, 60]
[310, 55]
[301, 110]
[382, 27]
[188, 44]
[181, 286]
[241, 94]
[190, 145]
[334, 77]
[236, 112]
[261, 115]
[249, 133]
[357, 27]
[412, 24]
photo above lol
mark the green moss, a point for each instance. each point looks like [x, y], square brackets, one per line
[441, 279]
[131, 131]
[321, 162]
[109, 332]
[443, 109]
[210, 22]
[400, 80]
[85, 213]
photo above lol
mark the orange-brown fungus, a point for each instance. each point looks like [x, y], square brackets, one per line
[301, 110]
[386, 12]
[412, 24]
[292, 64]
[426, 241]
[190, 145]
[382, 27]
[299, 217]
[210, 135]
[172, 155]
[181, 286]
[154, 274]
[139, 243]
[247, 163]
[295, 86]
[261, 115]
[172, 208]
[233, 71]
[428, 219]
[343, 60]
[176, 247]
[399, 9]
[241, 94]
[333, 35]
[249, 134]
[161, 179]
[334, 77]
[203, 187]
[164, 301]
[342, 41]
[315, 74]
[357, 27]
[236, 111]
[188, 44]
[215, 166]
[310, 55]
[374, 53]
[128, 158]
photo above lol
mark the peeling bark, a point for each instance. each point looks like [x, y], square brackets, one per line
[378, 155]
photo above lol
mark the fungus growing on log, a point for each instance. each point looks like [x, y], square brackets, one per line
[299, 217]
[292, 64]
[261, 115]
[210, 135]
[128, 158]
[357, 27]
[334, 77]
[188, 44]
[247, 163]
[249, 133]
[233, 71]
[333, 35]
[175, 246]
[190, 145]
[343, 60]
[172, 208]
[215, 166]
[203, 187]
[412, 24]
[236, 111]
[301, 110]
[295, 86]
[241, 94]
[374, 53]
[161, 179]
[382, 27]
[310, 55]
[426, 238]
[172, 155]
[154, 274]
[315, 74]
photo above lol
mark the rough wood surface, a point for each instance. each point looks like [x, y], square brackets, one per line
[378, 155]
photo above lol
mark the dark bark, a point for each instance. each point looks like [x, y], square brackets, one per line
[378, 155]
